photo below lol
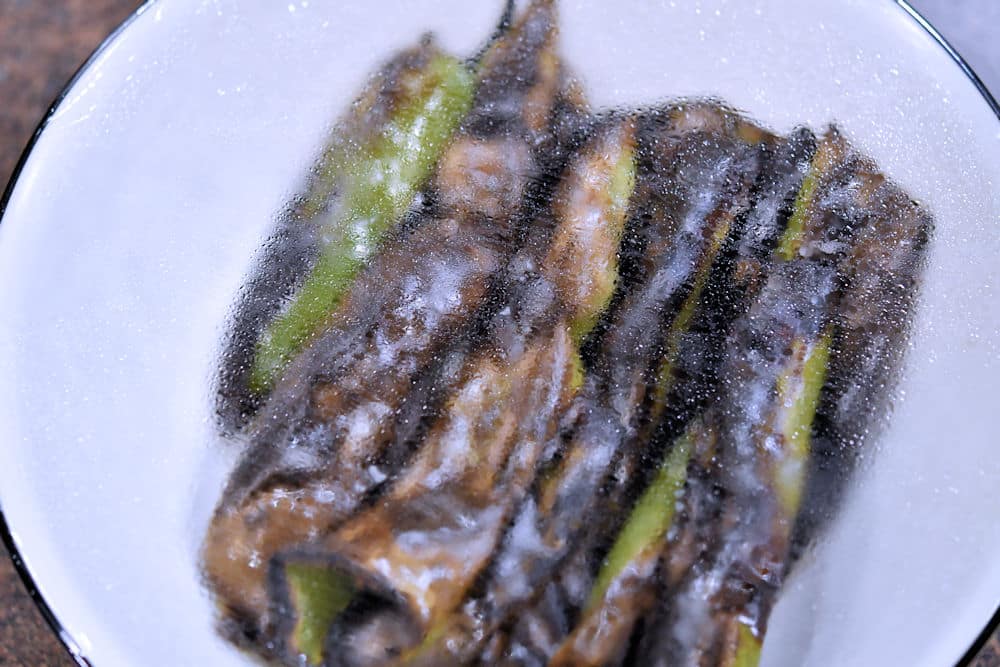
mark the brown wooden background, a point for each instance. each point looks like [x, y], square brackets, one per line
[42, 42]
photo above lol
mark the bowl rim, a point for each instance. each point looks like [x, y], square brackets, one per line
[6, 536]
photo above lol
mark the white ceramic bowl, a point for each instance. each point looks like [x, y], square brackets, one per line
[136, 214]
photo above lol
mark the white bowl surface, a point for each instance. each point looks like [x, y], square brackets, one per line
[138, 212]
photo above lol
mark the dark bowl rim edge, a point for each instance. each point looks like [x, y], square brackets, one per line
[72, 648]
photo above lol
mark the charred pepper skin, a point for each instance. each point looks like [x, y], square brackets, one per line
[509, 584]
[624, 588]
[881, 285]
[790, 306]
[336, 410]
[616, 577]
[849, 222]
[475, 465]
[417, 99]
[578, 393]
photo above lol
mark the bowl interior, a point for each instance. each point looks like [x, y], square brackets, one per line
[140, 208]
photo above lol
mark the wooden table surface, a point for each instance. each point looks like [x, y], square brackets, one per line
[42, 42]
